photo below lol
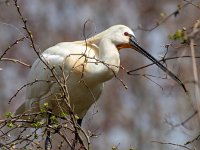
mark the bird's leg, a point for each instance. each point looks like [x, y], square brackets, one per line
[48, 144]
[79, 121]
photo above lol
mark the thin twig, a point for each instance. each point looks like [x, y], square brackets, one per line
[183, 122]
[16, 61]
[193, 140]
[160, 22]
[173, 144]
[162, 60]
[25, 85]
[10, 46]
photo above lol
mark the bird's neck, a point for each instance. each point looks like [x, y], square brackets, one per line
[108, 52]
[109, 61]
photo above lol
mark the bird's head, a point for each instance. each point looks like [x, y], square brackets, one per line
[123, 37]
[120, 36]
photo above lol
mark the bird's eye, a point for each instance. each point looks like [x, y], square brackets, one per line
[126, 33]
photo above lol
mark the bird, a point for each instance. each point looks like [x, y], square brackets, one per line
[82, 67]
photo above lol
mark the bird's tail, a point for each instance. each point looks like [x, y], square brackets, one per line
[20, 110]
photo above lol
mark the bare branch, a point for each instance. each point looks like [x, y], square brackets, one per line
[163, 20]
[10, 46]
[183, 122]
[193, 140]
[173, 144]
[16, 61]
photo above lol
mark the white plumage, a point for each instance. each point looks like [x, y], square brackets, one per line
[83, 67]
[85, 75]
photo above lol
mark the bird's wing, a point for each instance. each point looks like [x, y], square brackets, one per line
[66, 55]
[40, 73]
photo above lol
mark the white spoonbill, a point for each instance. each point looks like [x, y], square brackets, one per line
[82, 67]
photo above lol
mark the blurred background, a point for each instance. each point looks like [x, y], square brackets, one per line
[150, 109]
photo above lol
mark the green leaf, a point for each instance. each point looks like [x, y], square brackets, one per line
[131, 148]
[64, 114]
[42, 110]
[171, 37]
[8, 114]
[46, 105]
[54, 119]
[77, 117]
[35, 136]
[10, 125]
[36, 124]
[180, 35]
[114, 148]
